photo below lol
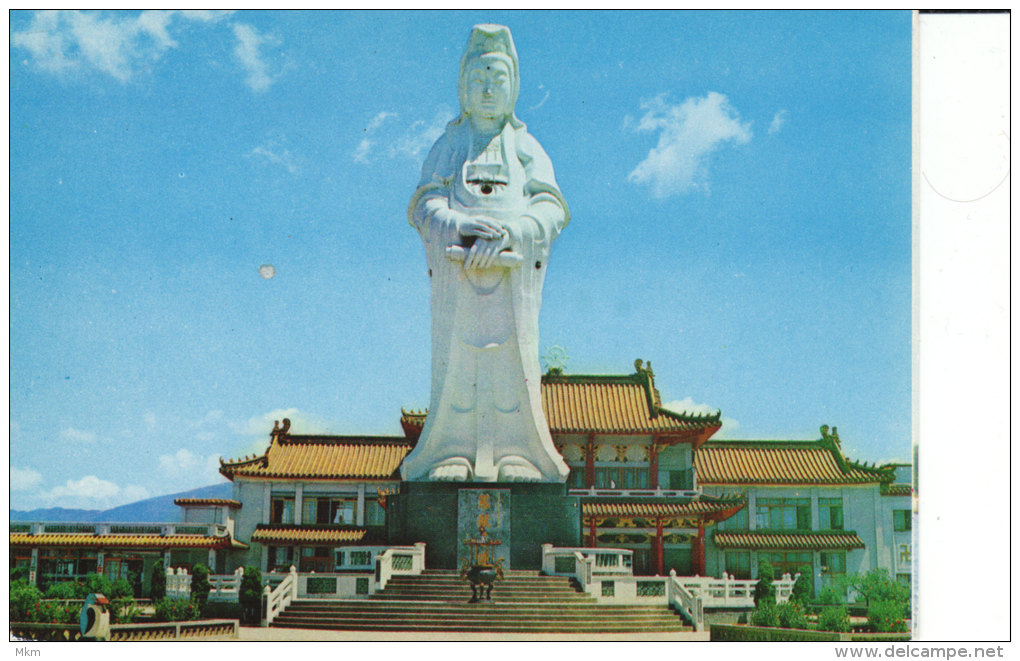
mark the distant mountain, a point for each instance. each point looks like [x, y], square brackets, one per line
[54, 514]
[158, 509]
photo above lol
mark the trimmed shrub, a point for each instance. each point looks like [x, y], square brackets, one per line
[176, 610]
[157, 584]
[831, 595]
[764, 590]
[765, 615]
[834, 618]
[792, 616]
[123, 610]
[97, 583]
[65, 590]
[250, 596]
[200, 586]
[121, 589]
[24, 599]
[887, 616]
[802, 587]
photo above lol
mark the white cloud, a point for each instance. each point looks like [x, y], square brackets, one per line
[112, 43]
[261, 425]
[378, 120]
[778, 122]
[206, 15]
[404, 140]
[186, 465]
[24, 479]
[420, 136]
[690, 133]
[542, 102]
[688, 405]
[72, 435]
[90, 492]
[248, 51]
[277, 155]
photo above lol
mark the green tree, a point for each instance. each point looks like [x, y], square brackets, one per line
[877, 586]
[764, 590]
[157, 584]
[802, 587]
[251, 594]
[200, 586]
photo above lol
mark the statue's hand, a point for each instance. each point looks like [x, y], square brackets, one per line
[479, 226]
[484, 251]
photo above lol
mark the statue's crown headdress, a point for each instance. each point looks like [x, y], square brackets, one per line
[490, 38]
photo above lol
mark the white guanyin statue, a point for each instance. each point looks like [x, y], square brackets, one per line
[488, 209]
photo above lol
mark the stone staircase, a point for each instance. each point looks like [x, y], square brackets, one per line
[437, 600]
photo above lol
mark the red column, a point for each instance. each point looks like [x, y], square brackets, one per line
[658, 548]
[592, 539]
[698, 552]
[589, 463]
[653, 464]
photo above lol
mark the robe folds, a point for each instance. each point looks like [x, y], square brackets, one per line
[485, 408]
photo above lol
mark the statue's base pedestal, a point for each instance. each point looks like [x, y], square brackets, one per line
[430, 512]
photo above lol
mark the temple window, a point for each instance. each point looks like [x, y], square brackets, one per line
[282, 510]
[830, 513]
[576, 478]
[901, 520]
[681, 479]
[281, 558]
[791, 562]
[329, 509]
[738, 564]
[317, 559]
[736, 522]
[375, 514]
[784, 514]
[618, 477]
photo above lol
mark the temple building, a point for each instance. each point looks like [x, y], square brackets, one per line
[645, 478]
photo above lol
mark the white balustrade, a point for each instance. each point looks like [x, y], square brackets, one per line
[604, 561]
[225, 587]
[692, 606]
[178, 583]
[399, 560]
[732, 592]
[274, 601]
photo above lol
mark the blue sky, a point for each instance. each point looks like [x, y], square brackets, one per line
[739, 186]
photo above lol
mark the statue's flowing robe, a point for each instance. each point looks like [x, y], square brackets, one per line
[485, 403]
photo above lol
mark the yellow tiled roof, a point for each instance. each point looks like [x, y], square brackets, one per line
[653, 510]
[579, 405]
[86, 540]
[217, 502]
[324, 457]
[284, 534]
[606, 404]
[779, 462]
[787, 541]
[897, 490]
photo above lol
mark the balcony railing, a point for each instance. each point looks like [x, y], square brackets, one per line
[118, 528]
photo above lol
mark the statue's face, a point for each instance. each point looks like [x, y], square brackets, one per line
[488, 87]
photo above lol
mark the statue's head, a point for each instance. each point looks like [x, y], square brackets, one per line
[489, 74]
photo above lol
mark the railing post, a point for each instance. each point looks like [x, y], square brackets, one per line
[294, 583]
[266, 596]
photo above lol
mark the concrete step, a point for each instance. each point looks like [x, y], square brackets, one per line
[480, 609]
[480, 626]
